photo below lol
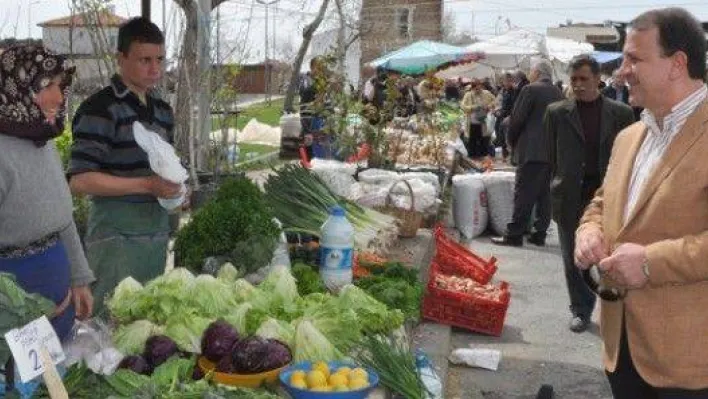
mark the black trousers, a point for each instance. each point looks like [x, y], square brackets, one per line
[475, 144]
[582, 299]
[626, 383]
[533, 188]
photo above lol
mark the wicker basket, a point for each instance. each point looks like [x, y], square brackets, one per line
[410, 219]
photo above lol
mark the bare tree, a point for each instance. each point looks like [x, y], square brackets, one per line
[188, 72]
[93, 13]
[307, 34]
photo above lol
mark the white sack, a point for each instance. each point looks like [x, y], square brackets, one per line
[469, 201]
[500, 197]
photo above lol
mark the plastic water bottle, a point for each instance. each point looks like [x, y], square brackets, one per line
[430, 378]
[336, 250]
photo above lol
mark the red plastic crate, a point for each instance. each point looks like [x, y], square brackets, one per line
[455, 259]
[465, 311]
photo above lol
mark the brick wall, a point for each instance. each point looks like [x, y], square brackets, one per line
[388, 25]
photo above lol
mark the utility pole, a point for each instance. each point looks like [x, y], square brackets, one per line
[203, 78]
[266, 70]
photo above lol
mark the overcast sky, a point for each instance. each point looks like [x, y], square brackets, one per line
[482, 18]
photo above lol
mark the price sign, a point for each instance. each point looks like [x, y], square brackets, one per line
[27, 343]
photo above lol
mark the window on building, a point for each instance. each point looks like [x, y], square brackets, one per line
[403, 23]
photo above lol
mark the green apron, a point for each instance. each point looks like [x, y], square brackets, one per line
[125, 239]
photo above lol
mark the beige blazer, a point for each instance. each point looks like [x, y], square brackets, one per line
[667, 320]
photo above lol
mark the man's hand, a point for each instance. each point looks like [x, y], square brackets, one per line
[625, 265]
[83, 301]
[162, 188]
[590, 247]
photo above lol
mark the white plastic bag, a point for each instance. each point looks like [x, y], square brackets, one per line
[90, 342]
[163, 161]
[469, 205]
[477, 357]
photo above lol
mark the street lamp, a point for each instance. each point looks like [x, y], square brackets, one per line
[265, 65]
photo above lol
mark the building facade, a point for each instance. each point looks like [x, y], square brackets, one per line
[387, 25]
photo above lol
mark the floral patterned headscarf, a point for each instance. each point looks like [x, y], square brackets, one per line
[25, 71]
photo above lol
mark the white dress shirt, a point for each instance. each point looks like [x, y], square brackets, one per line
[656, 142]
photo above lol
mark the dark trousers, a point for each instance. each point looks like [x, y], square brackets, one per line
[533, 188]
[582, 299]
[626, 383]
[475, 144]
[500, 130]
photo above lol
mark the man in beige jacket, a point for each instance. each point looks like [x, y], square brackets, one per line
[647, 227]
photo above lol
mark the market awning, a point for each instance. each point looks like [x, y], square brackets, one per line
[422, 56]
[604, 57]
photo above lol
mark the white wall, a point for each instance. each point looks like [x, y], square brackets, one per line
[57, 40]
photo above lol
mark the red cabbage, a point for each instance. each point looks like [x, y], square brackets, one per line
[256, 355]
[158, 349]
[135, 363]
[225, 365]
[217, 340]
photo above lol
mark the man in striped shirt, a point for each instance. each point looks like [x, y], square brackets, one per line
[647, 227]
[128, 230]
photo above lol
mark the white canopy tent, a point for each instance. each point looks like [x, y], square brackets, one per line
[515, 50]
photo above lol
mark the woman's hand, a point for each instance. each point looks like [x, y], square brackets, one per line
[83, 301]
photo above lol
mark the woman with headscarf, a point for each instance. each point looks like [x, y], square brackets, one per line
[39, 243]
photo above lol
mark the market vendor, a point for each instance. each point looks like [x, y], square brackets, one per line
[39, 243]
[476, 103]
[128, 230]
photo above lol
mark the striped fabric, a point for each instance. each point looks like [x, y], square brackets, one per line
[657, 141]
[103, 133]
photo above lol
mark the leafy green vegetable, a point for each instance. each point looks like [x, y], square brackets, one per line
[237, 224]
[187, 333]
[242, 290]
[126, 382]
[397, 271]
[211, 296]
[125, 293]
[374, 317]
[394, 293]
[246, 319]
[312, 345]
[333, 321]
[308, 280]
[277, 329]
[17, 308]
[228, 273]
[130, 339]
[171, 372]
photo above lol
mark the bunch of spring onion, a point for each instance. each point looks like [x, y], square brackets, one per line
[301, 202]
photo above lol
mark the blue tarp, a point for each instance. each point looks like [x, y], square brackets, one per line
[604, 57]
[419, 57]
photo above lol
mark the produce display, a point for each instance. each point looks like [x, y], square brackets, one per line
[396, 286]
[322, 378]
[237, 225]
[301, 201]
[469, 287]
[394, 363]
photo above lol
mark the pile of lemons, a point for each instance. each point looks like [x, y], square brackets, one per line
[322, 379]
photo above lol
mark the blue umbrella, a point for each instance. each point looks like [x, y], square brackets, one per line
[604, 57]
[421, 56]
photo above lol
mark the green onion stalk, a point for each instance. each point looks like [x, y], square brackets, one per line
[301, 202]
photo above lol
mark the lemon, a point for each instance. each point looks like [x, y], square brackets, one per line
[322, 366]
[344, 370]
[358, 383]
[324, 388]
[341, 388]
[298, 374]
[298, 383]
[359, 372]
[316, 378]
[338, 379]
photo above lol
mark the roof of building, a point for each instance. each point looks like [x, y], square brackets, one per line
[105, 19]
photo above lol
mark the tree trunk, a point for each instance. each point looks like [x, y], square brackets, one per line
[306, 38]
[341, 40]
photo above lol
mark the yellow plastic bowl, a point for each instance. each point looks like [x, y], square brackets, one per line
[239, 380]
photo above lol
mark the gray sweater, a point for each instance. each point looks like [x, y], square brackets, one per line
[35, 201]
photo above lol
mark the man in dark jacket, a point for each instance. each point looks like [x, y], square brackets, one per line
[503, 112]
[530, 150]
[581, 132]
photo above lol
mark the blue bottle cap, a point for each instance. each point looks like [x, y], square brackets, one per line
[337, 211]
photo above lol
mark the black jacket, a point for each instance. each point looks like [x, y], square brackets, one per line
[564, 132]
[525, 134]
[611, 92]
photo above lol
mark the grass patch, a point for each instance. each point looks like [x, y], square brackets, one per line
[270, 115]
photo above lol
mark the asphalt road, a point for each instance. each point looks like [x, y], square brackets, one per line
[536, 345]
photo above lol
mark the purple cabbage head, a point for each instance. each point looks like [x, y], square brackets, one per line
[217, 340]
[158, 349]
[256, 355]
[135, 363]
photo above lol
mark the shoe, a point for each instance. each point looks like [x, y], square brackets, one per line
[579, 324]
[508, 241]
[545, 392]
[538, 239]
